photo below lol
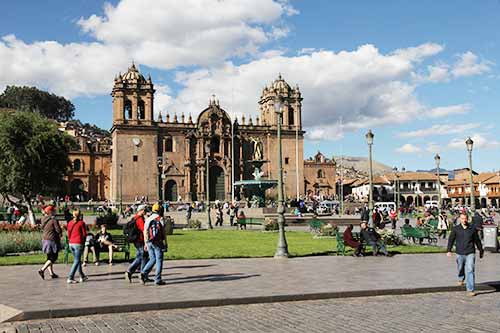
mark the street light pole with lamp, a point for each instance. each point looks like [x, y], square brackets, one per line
[470, 144]
[121, 188]
[437, 158]
[369, 140]
[207, 151]
[282, 247]
[396, 188]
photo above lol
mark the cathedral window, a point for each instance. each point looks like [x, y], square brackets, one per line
[77, 165]
[127, 109]
[141, 110]
[135, 158]
[320, 173]
[291, 118]
[169, 144]
[287, 160]
[215, 144]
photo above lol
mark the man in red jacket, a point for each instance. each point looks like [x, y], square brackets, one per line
[349, 241]
[139, 244]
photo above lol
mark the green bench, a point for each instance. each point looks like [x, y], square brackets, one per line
[418, 234]
[242, 223]
[315, 225]
[119, 240]
[340, 243]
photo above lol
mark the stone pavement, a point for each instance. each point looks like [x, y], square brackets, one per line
[193, 283]
[437, 312]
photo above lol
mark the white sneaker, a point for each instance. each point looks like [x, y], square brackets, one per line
[71, 281]
[83, 279]
[97, 263]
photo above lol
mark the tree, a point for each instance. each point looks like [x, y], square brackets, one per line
[35, 100]
[33, 156]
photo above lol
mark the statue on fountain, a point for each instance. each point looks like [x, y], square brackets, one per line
[258, 149]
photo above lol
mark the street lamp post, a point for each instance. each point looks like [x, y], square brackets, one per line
[121, 188]
[469, 143]
[160, 179]
[207, 151]
[282, 247]
[369, 141]
[396, 188]
[498, 199]
[437, 158]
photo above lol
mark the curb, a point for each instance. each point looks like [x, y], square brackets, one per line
[84, 311]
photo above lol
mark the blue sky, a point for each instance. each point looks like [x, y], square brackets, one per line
[422, 74]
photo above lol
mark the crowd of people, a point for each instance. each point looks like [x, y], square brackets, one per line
[146, 230]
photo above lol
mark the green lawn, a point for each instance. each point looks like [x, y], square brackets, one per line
[233, 244]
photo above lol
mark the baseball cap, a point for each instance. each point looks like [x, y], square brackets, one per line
[141, 207]
[155, 208]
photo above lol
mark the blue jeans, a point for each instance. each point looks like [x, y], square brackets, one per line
[378, 246]
[77, 251]
[155, 257]
[465, 265]
[139, 259]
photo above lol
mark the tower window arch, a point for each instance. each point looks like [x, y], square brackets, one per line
[127, 109]
[77, 165]
[291, 117]
[169, 144]
[141, 110]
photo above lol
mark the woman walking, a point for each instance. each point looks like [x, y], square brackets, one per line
[76, 239]
[51, 242]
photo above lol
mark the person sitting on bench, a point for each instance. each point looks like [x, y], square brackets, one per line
[104, 242]
[372, 238]
[241, 216]
[349, 241]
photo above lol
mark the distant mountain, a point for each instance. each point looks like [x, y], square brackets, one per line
[361, 164]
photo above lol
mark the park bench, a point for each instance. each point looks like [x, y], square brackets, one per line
[119, 240]
[243, 222]
[340, 243]
[418, 234]
[315, 225]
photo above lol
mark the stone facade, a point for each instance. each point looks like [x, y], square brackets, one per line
[166, 158]
[320, 176]
[89, 176]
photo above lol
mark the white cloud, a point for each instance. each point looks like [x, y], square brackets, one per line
[70, 70]
[468, 65]
[408, 149]
[160, 34]
[167, 34]
[444, 111]
[439, 129]
[363, 86]
[419, 53]
[480, 142]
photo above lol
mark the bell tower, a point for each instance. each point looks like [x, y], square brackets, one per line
[292, 107]
[132, 98]
[134, 166]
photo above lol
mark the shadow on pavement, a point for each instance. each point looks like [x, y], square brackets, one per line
[192, 266]
[210, 278]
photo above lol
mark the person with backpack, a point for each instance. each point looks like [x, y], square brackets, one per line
[51, 243]
[154, 237]
[134, 231]
[76, 238]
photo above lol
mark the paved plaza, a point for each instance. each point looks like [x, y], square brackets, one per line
[435, 312]
[199, 283]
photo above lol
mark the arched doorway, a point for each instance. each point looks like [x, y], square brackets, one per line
[483, 202]
[217, 183]
[426, 198]
[409, 201]
[77, 189]
[170, 190]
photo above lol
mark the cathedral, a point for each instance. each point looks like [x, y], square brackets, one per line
[166, 157]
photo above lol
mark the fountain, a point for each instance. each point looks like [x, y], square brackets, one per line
[255, 188]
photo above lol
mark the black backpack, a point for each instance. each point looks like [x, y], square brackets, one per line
[131, 232]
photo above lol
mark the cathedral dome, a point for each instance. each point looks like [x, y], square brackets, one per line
[133, 75]
[280, 84]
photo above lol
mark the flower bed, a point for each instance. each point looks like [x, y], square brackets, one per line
[20, 241]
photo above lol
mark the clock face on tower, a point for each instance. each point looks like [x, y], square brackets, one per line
[136, 142]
